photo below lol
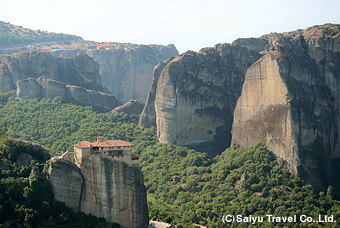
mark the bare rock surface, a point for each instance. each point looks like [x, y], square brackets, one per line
[126, 71]
[43, 87]
[131, 107]
[24, 159]
[102, 187]
[67, 182]
[192, 96]
[281, 88]
[290, 98]
[80, 70]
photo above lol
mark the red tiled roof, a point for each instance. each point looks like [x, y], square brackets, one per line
[107, 143]
[134, 156]
[82, 144]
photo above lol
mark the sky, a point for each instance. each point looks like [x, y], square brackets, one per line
[188, 24]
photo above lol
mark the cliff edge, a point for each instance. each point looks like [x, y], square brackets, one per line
[281, 89]
[125, 69]
[43, 87]
[81, 70]
[192, 97]
[101, 187]
[290, 98]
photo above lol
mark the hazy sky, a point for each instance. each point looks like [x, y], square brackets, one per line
[189, 24]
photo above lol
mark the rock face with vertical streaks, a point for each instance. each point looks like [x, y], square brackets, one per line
[67, 182]
[263, 110]
[279, 88]
[43, 87]
[80, 71]
[101, 187]
[126, 71]
[192, 97]
[290, 98]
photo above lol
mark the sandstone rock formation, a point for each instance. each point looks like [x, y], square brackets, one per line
[148, 115]
[67, 182]
[45, 154]
[101, 187]
[126, 71]
[28, 88]
[131, 107]
[80, 71]
[192, 96]
[290, 98]
[43, 87]
[24, 159]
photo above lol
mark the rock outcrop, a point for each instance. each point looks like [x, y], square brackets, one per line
[192, 96]
[290, 97]
[44, 153]
[67, 182]
[101, 187]
[131, 107]
[148, 115]
[24, 159]
[43, 87]
[126, 70]
[80, 71]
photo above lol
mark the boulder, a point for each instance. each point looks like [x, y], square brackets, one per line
[24, 159]
[131, 107]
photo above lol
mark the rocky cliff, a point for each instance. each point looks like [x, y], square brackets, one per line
[197, 88]
[286, 88]
[43, 87]
[126, 70]
[67, 182]
[80, 71]
[101, 187]
[148, 115]
[290, 98]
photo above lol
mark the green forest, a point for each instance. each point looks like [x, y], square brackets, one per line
[184, 187]
[26, 198]
[12, 35]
